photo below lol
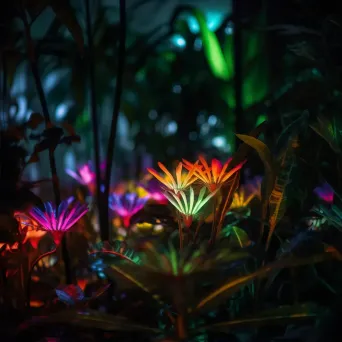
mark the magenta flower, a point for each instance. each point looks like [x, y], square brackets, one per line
[60, 220]
[126, 205]
[325, 193]
[84, 175]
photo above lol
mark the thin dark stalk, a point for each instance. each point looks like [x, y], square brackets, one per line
[55, 181]
[94, 118]
[238, 72]
[180, 230]
[117, 102]
[28, 285]
[214, 225]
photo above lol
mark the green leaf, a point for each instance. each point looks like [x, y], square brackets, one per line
[266, 156]
[212, 48]
[66, 14]
[270, 174]
[244, 149]
[89, 319]
[235, 284]
[328, 131]
[279, 316]
[238, 237]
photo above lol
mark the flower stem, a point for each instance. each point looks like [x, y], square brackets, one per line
[214, 228]
[28, 285]
[52, 160]
[180, 230]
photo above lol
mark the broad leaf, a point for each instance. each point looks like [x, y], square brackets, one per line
[235, 284]
[88, 319]
[266, 156]
[282, 315]
[270, 175]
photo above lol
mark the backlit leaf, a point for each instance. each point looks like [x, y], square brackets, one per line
[212, 48]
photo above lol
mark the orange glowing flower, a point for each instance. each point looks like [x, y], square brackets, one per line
[178, 183]
[215, 176]
[32, 230]
[240, 199]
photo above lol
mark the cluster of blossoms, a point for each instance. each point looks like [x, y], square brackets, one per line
[125, 199]
[180, 187]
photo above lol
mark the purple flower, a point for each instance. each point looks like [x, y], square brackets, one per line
[59, 220]
[126, 205]
[253, 185]
[84, 175]
[155, 191]
[325, 193]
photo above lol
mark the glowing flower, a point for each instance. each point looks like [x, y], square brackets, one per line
[126, 205]
[239, 206]
[84, 175]
[30, 228]
[213, 177]
[178, 183]
[70, 294]
[254, 185]
[187, 204]
[240, 199]
[155, 193]
[59, 220]
[325, 193]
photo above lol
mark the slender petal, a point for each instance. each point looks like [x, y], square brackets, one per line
[59, 219]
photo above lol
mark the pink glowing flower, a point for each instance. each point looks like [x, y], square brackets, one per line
[325, 193]
[59, 220]
[84, 175]
[126, 205]
[155, 192]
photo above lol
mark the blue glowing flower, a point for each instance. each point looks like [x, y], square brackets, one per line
[325, 193]
[70, 294]
[126, 205]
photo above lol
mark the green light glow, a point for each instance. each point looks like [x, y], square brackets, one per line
[212, 49]
[221, 63]
[261, 118]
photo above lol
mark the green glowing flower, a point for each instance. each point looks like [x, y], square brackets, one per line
[188, 204]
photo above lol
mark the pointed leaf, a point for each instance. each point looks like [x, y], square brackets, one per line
[235, 284]
[238, 237]
[266, 157]
[212, 48]
[277, 201]
[88, 319]
[283, 315]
